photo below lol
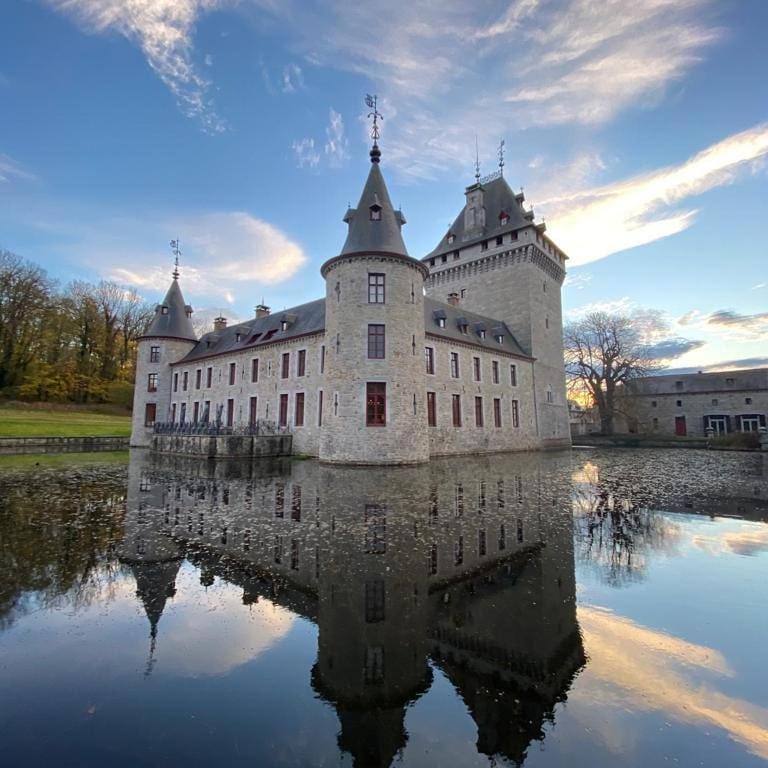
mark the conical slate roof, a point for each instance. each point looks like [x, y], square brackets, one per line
[172, 317]
[374, 225]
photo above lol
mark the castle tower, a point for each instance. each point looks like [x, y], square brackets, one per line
[169, 337]
[502, 264]
[375, 389]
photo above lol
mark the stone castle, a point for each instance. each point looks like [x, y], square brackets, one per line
[459, 352]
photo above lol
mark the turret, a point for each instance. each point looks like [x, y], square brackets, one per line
[374, 330]
[169, 337]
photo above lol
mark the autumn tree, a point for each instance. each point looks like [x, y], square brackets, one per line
[602, 352]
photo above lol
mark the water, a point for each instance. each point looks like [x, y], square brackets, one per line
[583, 608]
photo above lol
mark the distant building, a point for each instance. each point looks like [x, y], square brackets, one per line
[582, 419]
[695, 403]
[460, 352]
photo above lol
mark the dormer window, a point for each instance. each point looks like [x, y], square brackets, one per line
[375, 211]
[503, 219]
[164, 310]
[451, 237]
[237, 338]
[283, 325]
[481, 333]
[499, 338]
[441, 322]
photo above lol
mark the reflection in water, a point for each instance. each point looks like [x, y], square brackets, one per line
[462, 563]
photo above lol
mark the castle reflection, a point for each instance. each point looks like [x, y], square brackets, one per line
[464, 565]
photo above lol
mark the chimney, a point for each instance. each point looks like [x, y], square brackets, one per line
[220, 323]
[453, 299]
[262, 310]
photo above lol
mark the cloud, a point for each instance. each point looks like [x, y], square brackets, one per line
[723, 365]
[595, 223]
[730, 323]
[293, 78]
[306, 154]
[669, 349]
[622, 306]
[10, 169]
[163, 29]
[577, 281]
[336, 145]
[750, 540]
[222, 251]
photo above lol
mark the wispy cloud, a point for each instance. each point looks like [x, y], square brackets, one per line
[595, 223]
[10, 169]
[293, 78]
[732, 324]
[306, 154]
[163, 29]
[724, 365]
[336, 145]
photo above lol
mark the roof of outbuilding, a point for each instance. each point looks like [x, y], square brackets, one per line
[474, 323]
[498, 198]
[383, 234]
[175, 323]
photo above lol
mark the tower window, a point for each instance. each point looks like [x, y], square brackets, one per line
[152, 382]
[208, 376]
[154, 354]
[456, 255]
[164, 311]
[150, 414]
[185, 380]
[375, 404]
[375, 288]
[376, 341]
[375, 212]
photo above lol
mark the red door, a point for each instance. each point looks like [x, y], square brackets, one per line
[283, 410]
[680, 429]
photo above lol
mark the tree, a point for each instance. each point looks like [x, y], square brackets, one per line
[602, 352]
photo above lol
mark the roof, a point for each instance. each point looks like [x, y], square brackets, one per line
[302, 320]
[474, 323]
[498, 198]
[172, 317]
[382, 234]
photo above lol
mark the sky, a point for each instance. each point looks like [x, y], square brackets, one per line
[637, 128]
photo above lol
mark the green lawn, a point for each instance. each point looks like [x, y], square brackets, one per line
[42, 423]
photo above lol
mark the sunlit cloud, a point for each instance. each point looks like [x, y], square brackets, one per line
[729, 323]
[597, 222]
[305, 153]
[751, 539]
[647, 669]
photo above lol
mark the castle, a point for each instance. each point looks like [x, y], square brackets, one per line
[459, 352]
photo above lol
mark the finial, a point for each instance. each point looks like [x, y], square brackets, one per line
[477, 162]
[176, 251]
[371, 102]
[501, 157]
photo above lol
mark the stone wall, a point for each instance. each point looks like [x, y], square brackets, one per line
[224, 446]
[9, 445]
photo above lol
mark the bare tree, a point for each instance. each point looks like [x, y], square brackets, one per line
[602, 352]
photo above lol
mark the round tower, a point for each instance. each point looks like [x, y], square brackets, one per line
[169, 337]
[375, 391]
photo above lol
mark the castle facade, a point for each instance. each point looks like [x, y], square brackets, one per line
[459, 352]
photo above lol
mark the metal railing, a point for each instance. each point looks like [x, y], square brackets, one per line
[215, 429]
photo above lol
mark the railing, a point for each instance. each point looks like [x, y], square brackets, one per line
[214, 429]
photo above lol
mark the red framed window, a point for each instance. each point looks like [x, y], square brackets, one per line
[253, 410]
[298, 414]
[232, 372]
[456, 409]
[285, 365]
[497, 412]
[283, 418]
[495, 371]
[301, 362]
[476, 368]
[375, 404]
[376, 341]
[431, 409]
[150, 414]
[429, 359]
[478, 411]
[255, 369]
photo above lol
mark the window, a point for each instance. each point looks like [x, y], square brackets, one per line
[458, 500]
[253, 410]
[456, 408]
[714, 401]
[150, 414]
[546, 322]
[374, 601]
[255, 369]
[375, 404]
[441, 322]
[232, 372]
[499, 338]
[278, 549]
[476, 368]
[458, 551]
[322, 359]
[154, 354]
[374, 664]
[497, 412]
[294, 554]
[283, 325]
[431, 262]
[655, 423]
[748, 401]
[481, 543]
[679, 403]
[164, 311]
[444, 258]
[152, 382]
[499, 240]
[237, 338]
[375, 288]
[678, 385]
[432, 570]
[175, 382]
[230, 412]
[495, 371]
[481, 333]
[320, 408]
[207, 411]
[478, 411]
[502, 537]
[520, 533]
[454, 365]
[296, 503]
[484, 245]
[208, 377]
[429, 359]
[456, 255]
[451, 238]
[550, 398]
[279, 500]
[376, 342]
[431, 410]
[185, 381]
[286, 365]
[298, 416]
[195, 411]
[515, 414]
[375, 529]
[283, 415]
[654, 404]
[375, 213]
[503, 220]
[730, 382]
[183, 413]
[301, 362]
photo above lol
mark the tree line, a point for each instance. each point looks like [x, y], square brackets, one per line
[66, 343]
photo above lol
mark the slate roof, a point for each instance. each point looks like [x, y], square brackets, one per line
[498, 197]
[175, 323]
[452, 331]
[302, 320]
[366, 235]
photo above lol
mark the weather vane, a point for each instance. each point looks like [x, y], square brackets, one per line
[370, 102]
[501, 157]
[176, 251]
[477, 161]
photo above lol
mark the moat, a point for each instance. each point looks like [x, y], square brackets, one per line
[580, 608]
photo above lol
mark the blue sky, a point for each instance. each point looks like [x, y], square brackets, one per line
[638, 128]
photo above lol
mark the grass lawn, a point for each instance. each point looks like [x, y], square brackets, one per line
[53, 423]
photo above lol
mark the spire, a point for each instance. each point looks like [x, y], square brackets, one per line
[370, 102]
[374, 225]
[477, 162]
[173, 318]
[501, 157]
